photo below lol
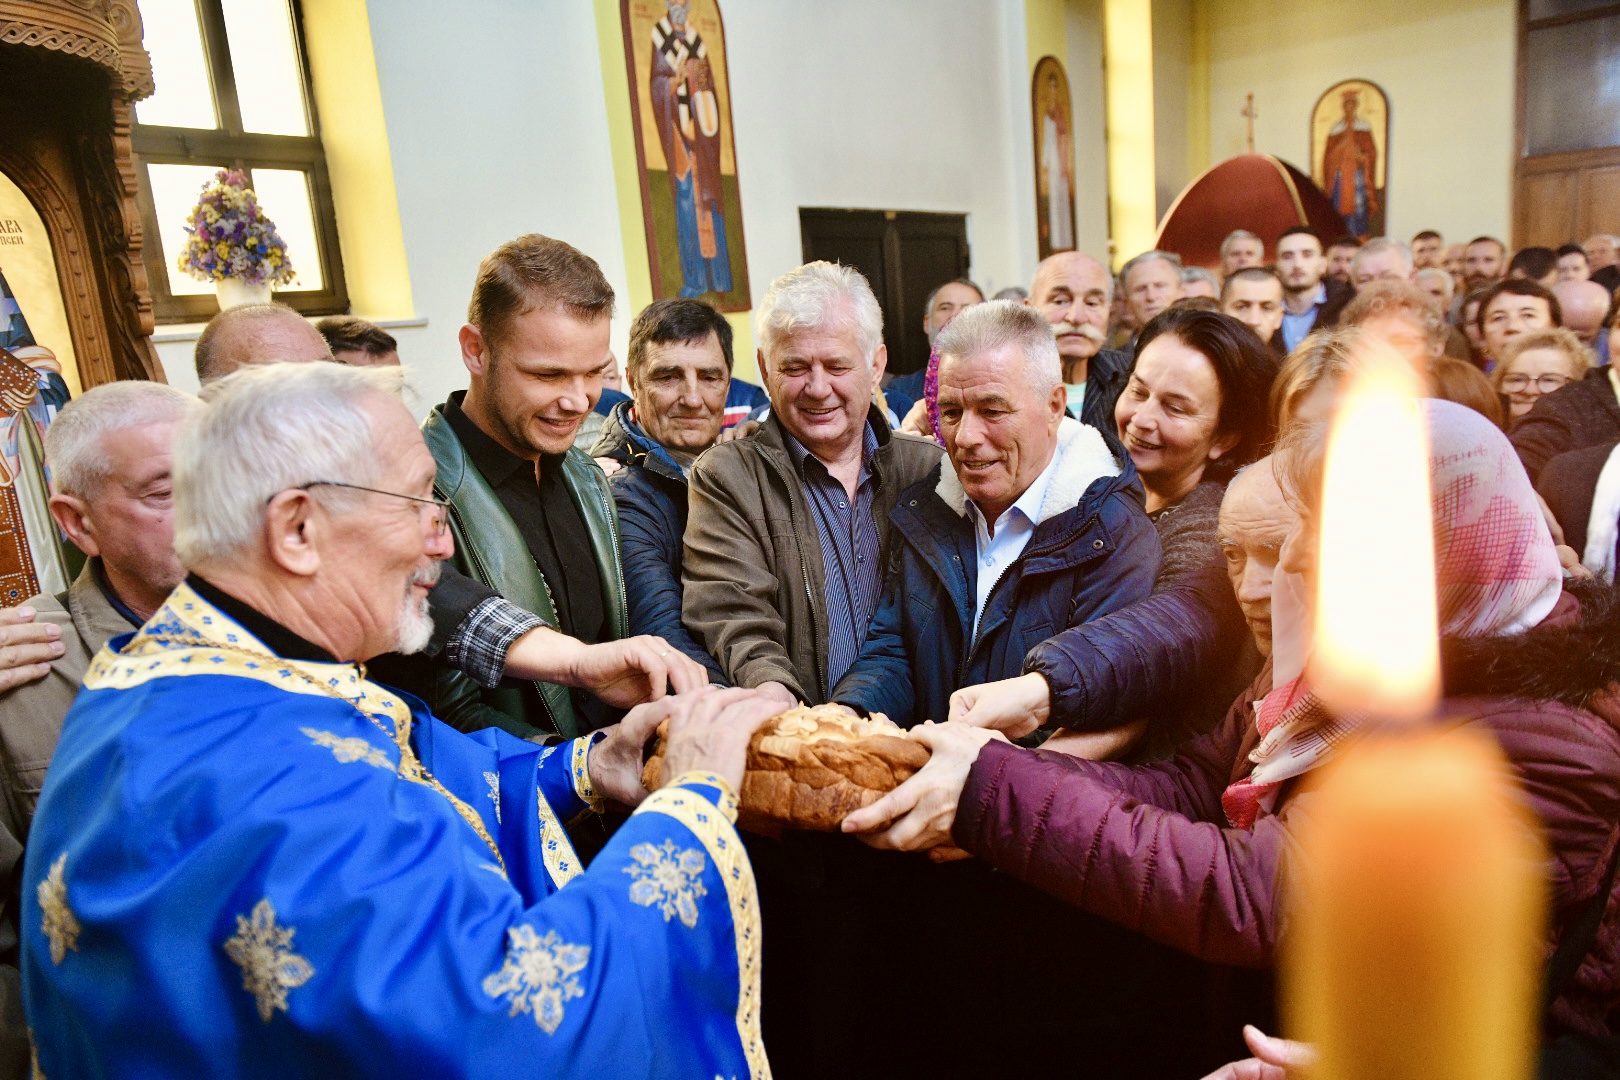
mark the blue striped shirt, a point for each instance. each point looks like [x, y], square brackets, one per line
[849, 551]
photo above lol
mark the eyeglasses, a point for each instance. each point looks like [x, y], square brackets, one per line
[441, 510]
[1514, 384]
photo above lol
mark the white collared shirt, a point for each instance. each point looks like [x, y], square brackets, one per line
[1013, 529]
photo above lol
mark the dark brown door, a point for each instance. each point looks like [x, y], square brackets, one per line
[903, 254]
[1567, 177]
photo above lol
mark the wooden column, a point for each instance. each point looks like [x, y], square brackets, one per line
[70, 74]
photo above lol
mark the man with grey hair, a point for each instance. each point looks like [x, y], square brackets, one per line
[1241, 249]
[1152, 282]
[1438, 284]
[788, 530]
[256, 334]
[319, 873]
[1380, 259]
[109, 454]
[1075, 293]
[943, 304]
[1601, 251]
[1197, 281]
[1031, 527]
[1053, 519]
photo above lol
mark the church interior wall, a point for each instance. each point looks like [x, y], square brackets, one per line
[1083, 24]
[499, 125]
[1447, 66]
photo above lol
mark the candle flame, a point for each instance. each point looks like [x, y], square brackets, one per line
[1376, 645]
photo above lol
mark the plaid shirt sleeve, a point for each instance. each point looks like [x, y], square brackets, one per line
[478, 646]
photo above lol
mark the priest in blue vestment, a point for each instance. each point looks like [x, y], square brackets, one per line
[251, 860]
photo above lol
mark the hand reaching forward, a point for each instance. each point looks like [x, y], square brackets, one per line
[26, 647]
[621, 673]
[918, 814]
[1273, 1058]
[1014, 707]
[710, 733]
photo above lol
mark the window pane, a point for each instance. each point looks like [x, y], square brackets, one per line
[174, 192]
[284, 195]
[1572, 86]
[264, 57]
[184, 97]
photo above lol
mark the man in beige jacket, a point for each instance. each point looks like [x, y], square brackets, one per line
[787, 530]
[109, 455]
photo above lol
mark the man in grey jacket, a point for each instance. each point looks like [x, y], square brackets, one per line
[787, 531]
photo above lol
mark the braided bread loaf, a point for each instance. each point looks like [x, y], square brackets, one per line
[811, 766]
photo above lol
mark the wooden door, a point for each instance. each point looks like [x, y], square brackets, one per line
[1567, 176]
[903, 254]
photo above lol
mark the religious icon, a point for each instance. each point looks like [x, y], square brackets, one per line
[37, 377]
[680, 101]
[1350, 153]
[1054, 157]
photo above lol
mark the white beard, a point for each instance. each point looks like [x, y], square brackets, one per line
[414, 627]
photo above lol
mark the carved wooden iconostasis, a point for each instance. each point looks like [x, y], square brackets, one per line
[75, 310]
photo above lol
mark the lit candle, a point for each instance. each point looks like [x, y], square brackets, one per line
[1413, 945]
[1375, 641]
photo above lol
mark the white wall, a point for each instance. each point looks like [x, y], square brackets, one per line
[498, 125]
[1172, 72]
[900, 105]
[1447, 66]
[1083, 24]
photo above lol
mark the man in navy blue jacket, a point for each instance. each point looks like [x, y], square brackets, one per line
[1032, 527]
[679, 372]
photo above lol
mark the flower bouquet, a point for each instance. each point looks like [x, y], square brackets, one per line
[231, 242]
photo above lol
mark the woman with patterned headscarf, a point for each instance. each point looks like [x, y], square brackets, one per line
[1188, 851]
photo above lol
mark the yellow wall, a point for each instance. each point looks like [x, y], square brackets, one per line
[1446, 65]
[348, 99]
[1128, 44]
[627, 184]
[1045, 33]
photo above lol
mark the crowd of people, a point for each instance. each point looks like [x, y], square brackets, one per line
[330, 758]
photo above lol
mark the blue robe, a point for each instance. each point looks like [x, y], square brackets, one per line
[235, 872]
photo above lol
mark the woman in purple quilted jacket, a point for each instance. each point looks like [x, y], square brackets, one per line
[1189, 851]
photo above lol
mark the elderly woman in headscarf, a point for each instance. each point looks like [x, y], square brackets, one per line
[1188, 851]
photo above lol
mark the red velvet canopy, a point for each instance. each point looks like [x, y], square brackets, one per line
[1256, 192]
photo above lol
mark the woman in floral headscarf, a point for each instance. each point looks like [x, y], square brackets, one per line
[1188, 851]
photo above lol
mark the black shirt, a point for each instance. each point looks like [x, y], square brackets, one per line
[550, 521]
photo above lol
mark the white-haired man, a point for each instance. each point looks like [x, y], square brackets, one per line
[1380, 259]
[109, 454]
[289, 869]
[1032, 526]
[1241, 249]
[1152, 282]
[1055, 523]
[787, 531]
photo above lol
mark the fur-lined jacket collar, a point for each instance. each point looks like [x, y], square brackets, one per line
[1572, 657]
[1082, 458]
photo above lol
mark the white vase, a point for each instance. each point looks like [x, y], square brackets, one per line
[234, 292]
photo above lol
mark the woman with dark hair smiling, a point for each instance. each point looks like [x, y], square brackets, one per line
[1195, 409]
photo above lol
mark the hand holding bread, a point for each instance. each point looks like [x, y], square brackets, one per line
[808, 768]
